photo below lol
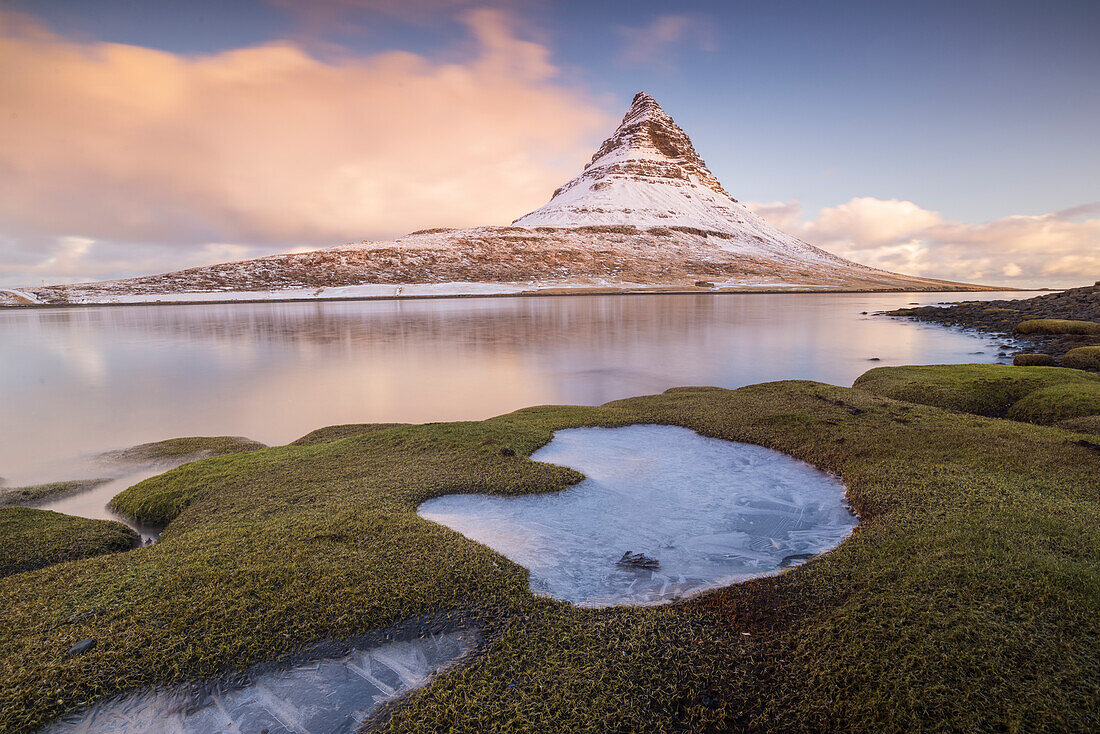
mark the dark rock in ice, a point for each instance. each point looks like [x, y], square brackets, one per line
[874, 359]
[796, 560]
[638, 560]
[704, 284]
[80, 648]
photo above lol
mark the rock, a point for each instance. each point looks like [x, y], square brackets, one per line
[638, 560]
[874, 359]
[704, 284]
[507, 452]
[80, 648]
[795, 560]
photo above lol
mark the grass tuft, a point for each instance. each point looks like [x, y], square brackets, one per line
[335, 433]
[38, 493]
[1043, 395]
[1057, 326]
[31, 539]
[1031, 359]
[174, 448]
[1082, 358]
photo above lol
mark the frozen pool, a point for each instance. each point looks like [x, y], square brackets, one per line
[325, 695]
[710, 512]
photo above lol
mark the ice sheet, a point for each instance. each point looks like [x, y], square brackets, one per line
[325, 696]
[712, 512]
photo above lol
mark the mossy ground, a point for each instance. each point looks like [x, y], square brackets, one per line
[31, 539]
[968, 598]
[1082, 358]
[1044, 395]
[333, 433]
[176, 448]
[45, 492]
[1058, 326]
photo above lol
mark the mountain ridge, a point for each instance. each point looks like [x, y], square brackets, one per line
[645, 213]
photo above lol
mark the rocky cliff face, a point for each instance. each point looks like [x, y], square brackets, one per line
[647, 174]
[645, 213]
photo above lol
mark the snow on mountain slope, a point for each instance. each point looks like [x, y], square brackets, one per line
[645, 214]
[648, 174]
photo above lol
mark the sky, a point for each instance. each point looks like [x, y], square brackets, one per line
[956, 140]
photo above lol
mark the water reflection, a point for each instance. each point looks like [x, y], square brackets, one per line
[82, 380]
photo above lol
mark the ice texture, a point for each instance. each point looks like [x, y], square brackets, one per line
[325, 696]
[711, 512]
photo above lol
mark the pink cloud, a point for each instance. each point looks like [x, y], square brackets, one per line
[1052, 249]
[269, 145]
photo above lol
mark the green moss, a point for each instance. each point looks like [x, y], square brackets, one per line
[1057, 403]
[1057, 326]
[32, 539]
[45, 492]
[335, 433]
[967, 600]
[1083, 358]
[1086, 424]
[1034, 360]
[991, 311]
[1034, 394]
[174, 448]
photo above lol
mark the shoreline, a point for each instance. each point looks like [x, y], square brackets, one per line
[547, 293]
[1003, 317]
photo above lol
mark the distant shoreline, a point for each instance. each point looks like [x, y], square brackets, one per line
[546, 293]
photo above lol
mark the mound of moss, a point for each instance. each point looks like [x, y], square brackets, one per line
[1043, 395]
[335, 433]
[1086, 424]
[31, 539]
[1058, 326]
[177, 448]
[1082, 358]
[37, 493]
[968, 599]
[1032, 359]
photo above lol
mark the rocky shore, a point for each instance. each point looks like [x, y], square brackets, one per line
[1003, 317]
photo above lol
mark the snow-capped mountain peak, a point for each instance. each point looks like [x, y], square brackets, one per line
[649, 143]
[645, 213]
[647, 173]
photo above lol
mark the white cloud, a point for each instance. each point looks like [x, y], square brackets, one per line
[656, 45]
[1057, 249]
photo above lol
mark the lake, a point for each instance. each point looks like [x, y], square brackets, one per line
[76, 381]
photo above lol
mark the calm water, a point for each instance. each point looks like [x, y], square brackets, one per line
[78, 381]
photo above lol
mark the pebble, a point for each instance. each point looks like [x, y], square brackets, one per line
[80, 648]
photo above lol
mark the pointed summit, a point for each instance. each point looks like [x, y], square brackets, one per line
[646, 174]
[647, 135]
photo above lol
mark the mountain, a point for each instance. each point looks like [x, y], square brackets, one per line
[645, 214]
